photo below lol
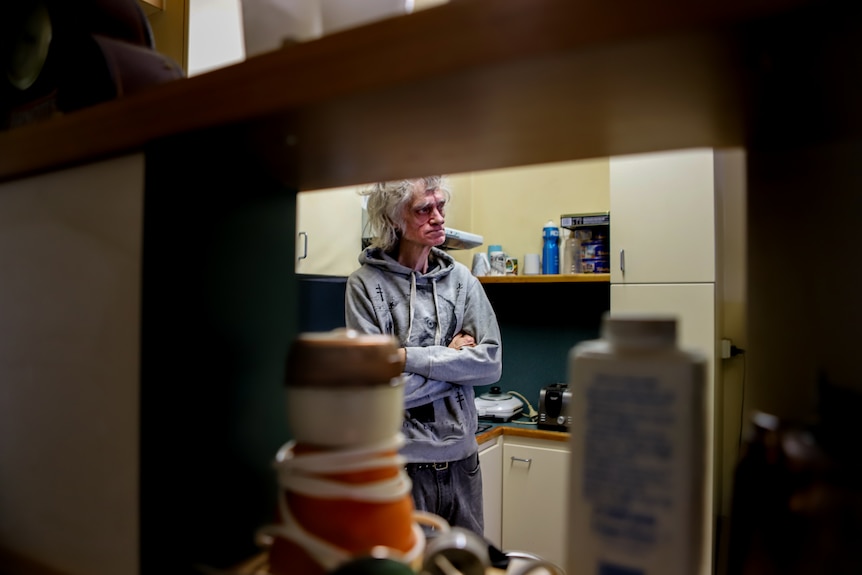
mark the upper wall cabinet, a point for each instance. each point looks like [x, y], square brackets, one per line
[329, 231]
[663, 217]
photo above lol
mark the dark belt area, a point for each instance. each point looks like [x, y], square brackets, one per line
[434, 466]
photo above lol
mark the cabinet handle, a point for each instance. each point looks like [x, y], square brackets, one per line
[304, 237]
[623, 261]
[527, 461]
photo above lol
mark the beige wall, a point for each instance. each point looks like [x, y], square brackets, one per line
[510, 206]
[459, 213]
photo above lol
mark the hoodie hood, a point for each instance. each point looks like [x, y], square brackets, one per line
[440, 264]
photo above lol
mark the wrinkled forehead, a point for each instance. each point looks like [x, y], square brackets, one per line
[423, 192]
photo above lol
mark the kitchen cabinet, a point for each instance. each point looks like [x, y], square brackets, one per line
[328, 231]
[535, 497]
[662, 217]
[695, 307]
[693, 304]
[491, 461]
[80, 229]
[664, 249]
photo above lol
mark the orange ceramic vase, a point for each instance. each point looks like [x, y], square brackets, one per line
[354, 526]
[343, 486]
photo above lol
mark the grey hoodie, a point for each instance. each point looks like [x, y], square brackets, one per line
[424, 312]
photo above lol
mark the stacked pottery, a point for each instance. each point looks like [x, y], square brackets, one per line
[344, 492]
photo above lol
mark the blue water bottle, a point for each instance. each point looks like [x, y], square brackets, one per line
[551, 249]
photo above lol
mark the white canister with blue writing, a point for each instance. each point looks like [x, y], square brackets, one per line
[638, 469]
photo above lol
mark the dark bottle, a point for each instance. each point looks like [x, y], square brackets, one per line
[797, 500]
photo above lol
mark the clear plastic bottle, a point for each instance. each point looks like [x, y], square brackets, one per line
[551, 248]
[637, 496]
[572, 255]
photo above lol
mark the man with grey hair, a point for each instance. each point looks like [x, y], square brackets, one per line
[450, 341]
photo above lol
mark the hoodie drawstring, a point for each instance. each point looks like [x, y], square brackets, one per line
[412, 297]
[436, 312]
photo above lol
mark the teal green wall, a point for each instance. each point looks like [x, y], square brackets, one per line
[539, 324]
[218, 313]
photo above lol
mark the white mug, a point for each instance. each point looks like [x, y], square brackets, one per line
[481, 264]
[533, 567]
[524, 563]
[532, 264]
[501, 264]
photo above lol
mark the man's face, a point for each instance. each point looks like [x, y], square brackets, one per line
[424, 217]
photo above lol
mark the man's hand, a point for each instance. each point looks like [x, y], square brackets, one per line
[462, 340]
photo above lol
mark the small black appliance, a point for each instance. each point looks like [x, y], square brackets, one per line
[554, 407]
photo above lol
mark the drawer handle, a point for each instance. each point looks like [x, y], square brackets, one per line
[527, 461]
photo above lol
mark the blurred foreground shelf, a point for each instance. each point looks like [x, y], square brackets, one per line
[504, 84]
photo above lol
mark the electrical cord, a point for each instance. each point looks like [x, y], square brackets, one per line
[532, 414]
[734, 352]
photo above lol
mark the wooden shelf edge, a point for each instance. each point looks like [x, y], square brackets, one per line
[546, 279]
[347, 95]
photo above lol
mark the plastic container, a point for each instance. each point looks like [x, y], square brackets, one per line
[638, 440]
[595, 255]
[551, 248]
[572, 255]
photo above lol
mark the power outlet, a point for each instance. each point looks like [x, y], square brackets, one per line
[725, 348]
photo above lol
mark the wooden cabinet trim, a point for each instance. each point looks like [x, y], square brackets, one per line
[152, 6]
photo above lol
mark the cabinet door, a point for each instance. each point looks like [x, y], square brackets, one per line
[694, 306]
[663, 217]
[535, 499]
[491, 461]
[71, 368]
[329, 234]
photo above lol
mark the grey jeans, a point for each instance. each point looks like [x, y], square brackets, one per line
[452, 490]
